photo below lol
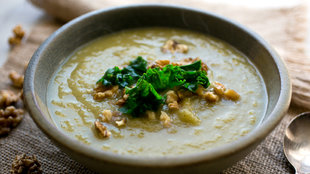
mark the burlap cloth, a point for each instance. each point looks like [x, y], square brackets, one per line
[285, 29]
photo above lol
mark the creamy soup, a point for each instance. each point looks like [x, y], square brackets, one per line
[73, 109]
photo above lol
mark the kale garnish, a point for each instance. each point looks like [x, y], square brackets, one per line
[150, 82]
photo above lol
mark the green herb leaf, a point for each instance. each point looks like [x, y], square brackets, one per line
[141, 98]
[125, 77]
[169, 77]
[195, 78]
[139, 65]
[196, 66]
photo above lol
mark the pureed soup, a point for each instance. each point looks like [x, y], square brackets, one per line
[155, 92]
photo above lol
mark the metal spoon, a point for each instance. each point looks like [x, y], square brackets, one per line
[297, 143]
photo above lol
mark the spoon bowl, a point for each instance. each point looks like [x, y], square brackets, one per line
[297, 143]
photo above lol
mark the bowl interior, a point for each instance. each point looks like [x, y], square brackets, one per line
[91, 26]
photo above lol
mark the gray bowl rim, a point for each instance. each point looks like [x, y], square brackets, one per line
[257, 135]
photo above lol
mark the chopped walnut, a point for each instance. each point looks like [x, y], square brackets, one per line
[226, 93]
[118, 119]
[218, 88]
[211, 97]
[121, 122]
[182, 93]
[204, 67]
[150, 114]
[125, 97]
[101, 92]
[17, 79]
[200, 90]
[173, 46]
[177, 63]
[8, 98]
[172, 100]
[10, 117]
[160, 64]
[189, 60]
[107, 116]
[102, 129]
[19, 33]
[231, 94]
[165, 119]
[26, 164]
[122, 101]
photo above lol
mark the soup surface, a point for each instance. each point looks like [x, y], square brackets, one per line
[74, 110]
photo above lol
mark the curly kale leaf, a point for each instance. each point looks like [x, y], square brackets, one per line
[169, 77]
[126, 76]
[141, 98]
[188, 76]
[195, 78]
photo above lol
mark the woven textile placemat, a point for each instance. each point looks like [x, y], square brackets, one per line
[284, 28]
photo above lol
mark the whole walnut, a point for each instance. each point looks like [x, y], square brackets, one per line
[8, 98]
[10, 117]
[23, 164]
[17, 79]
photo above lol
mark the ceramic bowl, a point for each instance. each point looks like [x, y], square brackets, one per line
[88, 27]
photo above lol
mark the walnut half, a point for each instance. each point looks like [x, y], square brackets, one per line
[26, 164]
[101, 92]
